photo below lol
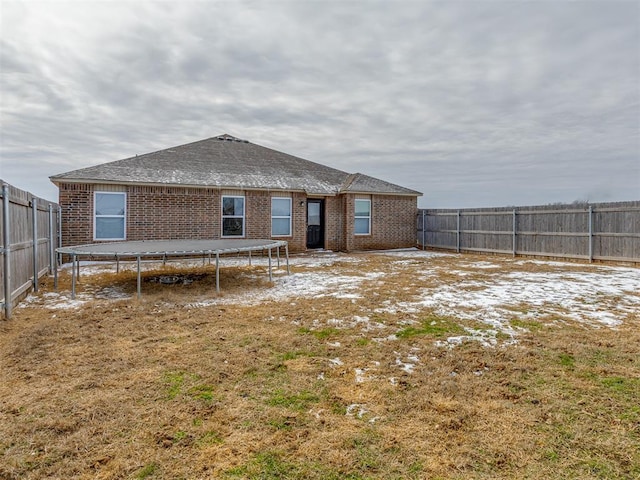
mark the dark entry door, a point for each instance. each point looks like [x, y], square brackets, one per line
[315, 223]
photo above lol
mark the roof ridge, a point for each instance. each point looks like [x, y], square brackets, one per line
[348, 181]
[356, 180]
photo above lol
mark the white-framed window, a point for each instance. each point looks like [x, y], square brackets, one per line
[109, 215]
[280, 217]
[362, 217]
[232, 216]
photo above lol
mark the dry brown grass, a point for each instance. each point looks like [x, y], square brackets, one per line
[159, 389]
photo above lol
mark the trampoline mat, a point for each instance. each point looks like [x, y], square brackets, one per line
[145, 248]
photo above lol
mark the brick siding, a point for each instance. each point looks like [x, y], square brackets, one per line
[334, 232]
[393, 223]
[159, 212]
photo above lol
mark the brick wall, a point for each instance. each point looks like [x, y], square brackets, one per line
[334, 232]
[157, 212]
[76, 204]
[298, 242]
[348, 215]
[393, 223]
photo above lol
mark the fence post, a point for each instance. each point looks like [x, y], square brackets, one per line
[59, 225]
[458, 232]
[590, 234]
[34, 208]
[6, 240]
[51, 240]
[424, 231]
[515, 226]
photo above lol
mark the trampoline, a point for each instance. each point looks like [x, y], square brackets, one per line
[165, 249]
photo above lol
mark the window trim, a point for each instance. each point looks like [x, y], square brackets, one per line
[289, 217]
[223, 216]
[123, 216]
[356, 216]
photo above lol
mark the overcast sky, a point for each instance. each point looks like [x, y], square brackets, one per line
[474, 103]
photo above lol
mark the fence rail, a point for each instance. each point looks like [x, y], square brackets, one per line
[598, 231]
[30, 233]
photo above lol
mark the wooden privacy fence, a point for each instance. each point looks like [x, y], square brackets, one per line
[30, 233]
[598, 231]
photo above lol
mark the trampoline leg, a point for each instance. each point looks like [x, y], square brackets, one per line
[278, 256]
[55, 274]
[270, 276]
[73, 277]
[249, 257]
[78, 267]
[286, 252]
[139, 293]
[217, 273]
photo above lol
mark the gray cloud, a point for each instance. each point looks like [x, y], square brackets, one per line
[472, 103]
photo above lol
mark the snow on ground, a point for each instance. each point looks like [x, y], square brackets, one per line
[493, 291]
[499, 293]
[599, 295]
[493, 302]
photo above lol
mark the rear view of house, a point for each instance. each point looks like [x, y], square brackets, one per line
[224, 187]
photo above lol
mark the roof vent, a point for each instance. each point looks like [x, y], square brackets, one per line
[230, 138]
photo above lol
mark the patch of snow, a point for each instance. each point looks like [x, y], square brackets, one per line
[451, 341]
[56, 300]
[411, 253]
[496, 299]
[361, 373]
[399, 307]
[409, 365]
[388, 338]
[357, 410]
[482, 265]
[332, 321]
[348, 295]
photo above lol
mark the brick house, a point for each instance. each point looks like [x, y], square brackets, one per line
[224, 187]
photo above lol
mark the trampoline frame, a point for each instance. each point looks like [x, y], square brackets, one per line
[165, 249]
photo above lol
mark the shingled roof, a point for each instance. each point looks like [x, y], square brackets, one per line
[229, 162]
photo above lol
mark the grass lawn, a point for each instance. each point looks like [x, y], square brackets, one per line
[406, 365]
